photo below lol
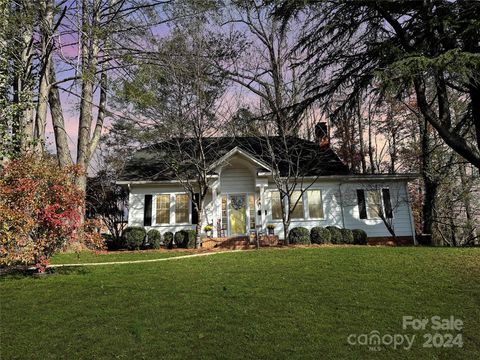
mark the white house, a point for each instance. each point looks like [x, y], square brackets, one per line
[243, 197]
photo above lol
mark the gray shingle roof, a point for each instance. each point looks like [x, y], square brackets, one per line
[162, 161]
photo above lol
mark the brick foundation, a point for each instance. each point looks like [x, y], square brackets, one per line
[238, 242]
[388, 240]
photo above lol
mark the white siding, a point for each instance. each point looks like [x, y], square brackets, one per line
[331, 208]
[237, 177]
[376, 228]
[351, 219]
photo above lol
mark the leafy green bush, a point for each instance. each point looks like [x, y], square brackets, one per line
[185, 239]
[110, 242]
[168, 239]
[133, 237]
[191, 234]
[359, 237]
[320, 235]
[335, 234]
[154, 238]
[347, 236]
[299, 235]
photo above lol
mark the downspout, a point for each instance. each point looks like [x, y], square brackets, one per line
[412, 222]
[341, 204]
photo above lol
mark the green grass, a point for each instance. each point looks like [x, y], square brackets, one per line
[91, 257]
[267, 304]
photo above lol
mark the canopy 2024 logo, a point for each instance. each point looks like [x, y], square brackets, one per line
[442, 333]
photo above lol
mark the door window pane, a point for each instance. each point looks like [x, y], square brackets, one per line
[251, 204]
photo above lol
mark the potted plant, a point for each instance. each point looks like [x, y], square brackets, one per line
[271, 229]
[208, 229]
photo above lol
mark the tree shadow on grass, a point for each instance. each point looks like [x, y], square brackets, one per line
[22, 272]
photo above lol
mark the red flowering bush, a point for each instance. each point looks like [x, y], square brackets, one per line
[40, 211]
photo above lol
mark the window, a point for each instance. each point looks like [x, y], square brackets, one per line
[276, 205]
[297, 201]
[315, 205]
[182, 208]
[251, 204]
[224, 212]
[374, 204]
[163, 209]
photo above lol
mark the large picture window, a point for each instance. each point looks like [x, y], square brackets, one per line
[182, 208]
[315, 205]
[163, 209]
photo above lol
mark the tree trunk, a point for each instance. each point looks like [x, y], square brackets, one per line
[361, 141]
[370, 146]
[198, 231]
[46, 24]
[430, 184]
[61, 139]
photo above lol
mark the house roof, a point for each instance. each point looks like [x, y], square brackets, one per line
[165, 160]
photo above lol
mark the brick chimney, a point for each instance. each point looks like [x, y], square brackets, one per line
[321, 135]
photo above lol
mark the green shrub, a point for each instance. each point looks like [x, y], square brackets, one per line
[335, 234]
[191, 234]
[359, 237]
[299, 235]
[154, 238]
[320, 235]
[181, 238]
[110, 242]
[133, 237]
[168, 239]
[347, 236]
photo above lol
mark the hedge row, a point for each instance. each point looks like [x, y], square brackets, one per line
[136, 237]
[327, 235]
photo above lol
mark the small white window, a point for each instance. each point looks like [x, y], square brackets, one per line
[315, 205]
[297, 199]
[276, 205]
[374, 204]
[163, 209]
[182, 209]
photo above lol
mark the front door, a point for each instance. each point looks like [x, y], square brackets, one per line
[238, 214]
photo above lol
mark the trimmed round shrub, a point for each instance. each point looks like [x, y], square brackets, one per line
[185, 239]
[320, 235]
[347, 236]
[179, 238]
[359, 237]
[133, 237]
[154, 238]
[191, 234]
[168, 239]
[335, 234]
[299, 235]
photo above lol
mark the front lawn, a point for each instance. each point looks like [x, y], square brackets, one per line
[267, 304]
[85, 257]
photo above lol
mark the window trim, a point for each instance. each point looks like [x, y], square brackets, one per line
[308, 205]
[382, 203]
[306, 210]
[172, 213]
